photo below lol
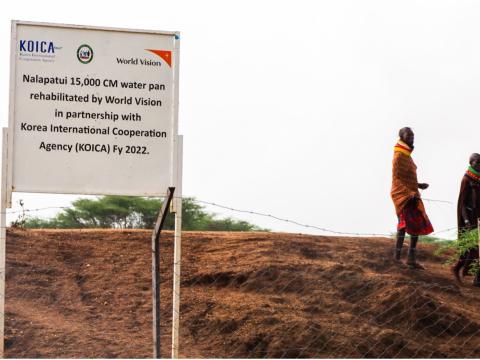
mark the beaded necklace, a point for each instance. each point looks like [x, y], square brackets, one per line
[473, 174]
[403, 148]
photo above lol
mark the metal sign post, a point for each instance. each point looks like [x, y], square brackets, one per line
[177, 255]
[162, 215]
[3, 237]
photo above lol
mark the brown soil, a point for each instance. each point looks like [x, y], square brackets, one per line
[87, 294]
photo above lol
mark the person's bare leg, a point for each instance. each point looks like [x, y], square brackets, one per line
[399, 245]
[412, 253]
[457, 267]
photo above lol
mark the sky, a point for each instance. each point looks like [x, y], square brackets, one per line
[292, 108]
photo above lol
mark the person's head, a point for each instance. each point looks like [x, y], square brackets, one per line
[475, 161]
[407, 136]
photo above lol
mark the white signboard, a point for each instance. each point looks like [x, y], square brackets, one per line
[92, 110]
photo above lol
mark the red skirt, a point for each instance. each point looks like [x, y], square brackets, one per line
[414, 220]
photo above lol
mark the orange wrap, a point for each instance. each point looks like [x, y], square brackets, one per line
[404, 181]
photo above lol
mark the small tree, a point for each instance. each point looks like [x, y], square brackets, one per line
[123, 212]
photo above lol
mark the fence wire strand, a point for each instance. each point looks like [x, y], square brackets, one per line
[256, 213]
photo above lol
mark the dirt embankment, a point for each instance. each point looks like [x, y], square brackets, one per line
[87, 293]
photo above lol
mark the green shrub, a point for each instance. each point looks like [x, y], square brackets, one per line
[467, 241]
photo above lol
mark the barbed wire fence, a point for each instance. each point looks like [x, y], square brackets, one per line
[243, 295]
[23, 214]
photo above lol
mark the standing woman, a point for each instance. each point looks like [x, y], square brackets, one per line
[468, 213]
[412, 218]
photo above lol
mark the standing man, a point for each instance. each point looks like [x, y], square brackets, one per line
[412, 218]
[468, 213]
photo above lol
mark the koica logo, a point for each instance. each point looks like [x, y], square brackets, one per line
[84, 54]
[37, 46]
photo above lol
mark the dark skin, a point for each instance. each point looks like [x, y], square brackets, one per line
[475, 161]
[408, 137]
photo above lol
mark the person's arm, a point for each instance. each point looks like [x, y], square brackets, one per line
[463, 201]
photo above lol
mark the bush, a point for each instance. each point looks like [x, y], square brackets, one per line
[467, 241]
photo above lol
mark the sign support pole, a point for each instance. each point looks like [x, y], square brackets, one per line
[176, 280]
[156, 272]
[177, 254]
[3, 238]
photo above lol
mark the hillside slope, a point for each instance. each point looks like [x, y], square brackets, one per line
[86, 293]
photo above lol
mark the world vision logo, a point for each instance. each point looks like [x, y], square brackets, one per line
[84, 54]
[164, 54]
